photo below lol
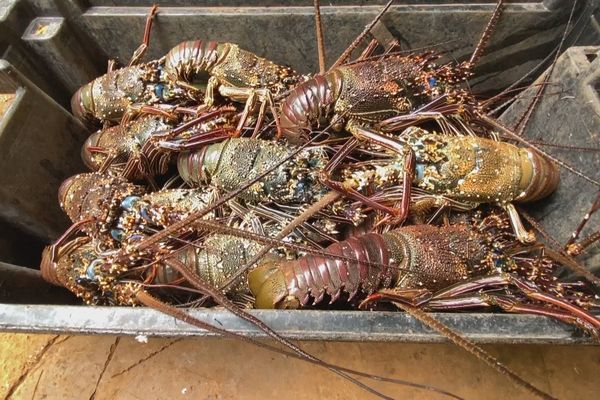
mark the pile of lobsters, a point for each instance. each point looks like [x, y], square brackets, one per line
[220, 176]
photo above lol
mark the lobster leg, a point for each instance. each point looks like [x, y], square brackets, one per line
[211, 87]
[168, 112]
[196, 141]
[76, 227]
[111, 65]
[350, 192]
[409, 165]
[523, 235]
[455, 299]
[108, 161]
[573, 248]
[341, 154]
[261, 114]
[577, 248]
[196, 121]
[140, 163]
[136, 163]
[251, 96]
[432, 111]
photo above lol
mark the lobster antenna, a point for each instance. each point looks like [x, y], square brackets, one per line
[487, 32]
[573, 265]
[150, 301]
[220, 298]
[471, 347]
[534, 69]
[346, 54]
[329, 198]
[595, 207]
[320, 39]
[526, 117]
[141, 50]
[564, 146]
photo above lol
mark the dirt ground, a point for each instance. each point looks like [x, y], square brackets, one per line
[109, 367]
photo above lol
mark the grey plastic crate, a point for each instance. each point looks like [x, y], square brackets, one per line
[53, 47]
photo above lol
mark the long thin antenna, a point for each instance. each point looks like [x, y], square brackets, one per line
[329, 198]
[346, 54]
[472, 348]
[150, 301]
[320, 39]
[485, 37]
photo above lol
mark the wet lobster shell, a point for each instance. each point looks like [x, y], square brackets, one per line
[367, 92]
[410, 257]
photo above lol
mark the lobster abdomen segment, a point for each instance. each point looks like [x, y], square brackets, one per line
[308, 105]
[193, 57]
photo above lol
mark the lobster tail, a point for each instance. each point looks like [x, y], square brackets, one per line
[48, 267]
[361, 263]
[540, 177]
[82, 104]
[308, 105]
[188, 59]
[190, 165]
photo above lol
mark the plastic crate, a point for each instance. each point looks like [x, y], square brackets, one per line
[51, 49]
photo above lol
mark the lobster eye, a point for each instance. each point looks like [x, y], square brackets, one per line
[116, 234]
[128, 202]
[158, 90]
